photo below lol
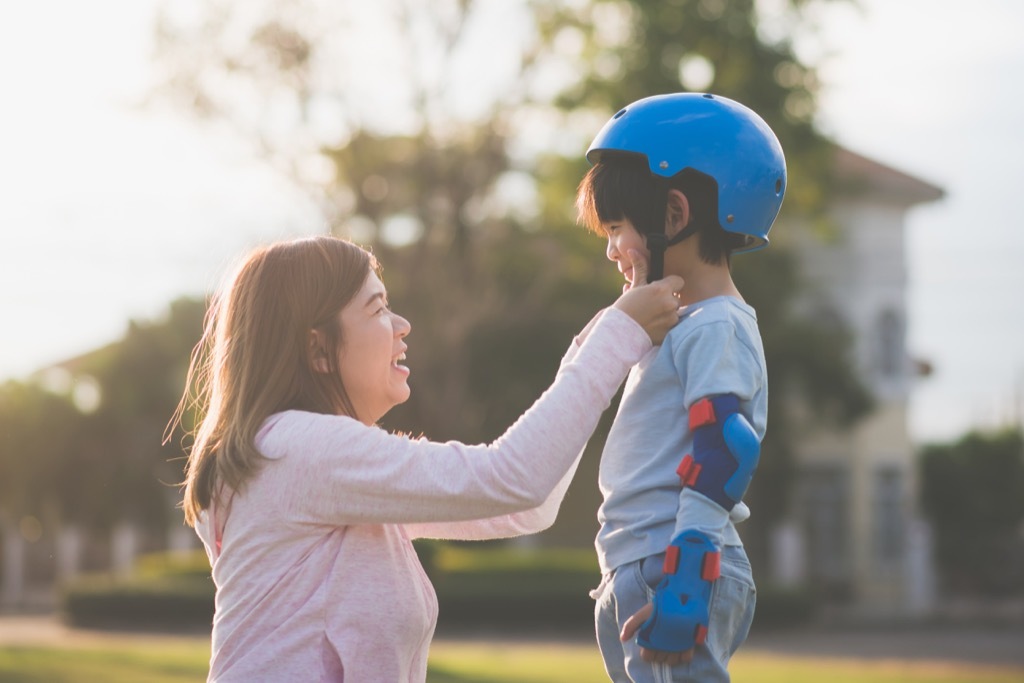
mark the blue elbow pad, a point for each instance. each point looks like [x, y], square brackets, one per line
[679, 620]
[725, 451]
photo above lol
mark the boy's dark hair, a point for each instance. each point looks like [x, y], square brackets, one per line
[622, 187]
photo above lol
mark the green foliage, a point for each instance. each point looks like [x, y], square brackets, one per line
[494, 285]
[38, 447]
[503, 588]
[165, 603]
[632, 49]
[507, 589]
[492, 299]
[972, 492]
[174, 565]
[93, 464]
[168, 591]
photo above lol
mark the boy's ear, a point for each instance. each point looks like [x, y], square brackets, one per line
[677, 213]
[318, 352]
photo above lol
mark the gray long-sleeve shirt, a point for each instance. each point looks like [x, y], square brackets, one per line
[715, 349]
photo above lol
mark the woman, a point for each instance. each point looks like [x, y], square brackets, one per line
[307, 508]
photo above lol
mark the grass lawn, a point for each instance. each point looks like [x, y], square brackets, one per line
[133, 662]
[151, 661]
[533, 663]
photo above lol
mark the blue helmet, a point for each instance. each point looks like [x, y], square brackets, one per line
[715, 136]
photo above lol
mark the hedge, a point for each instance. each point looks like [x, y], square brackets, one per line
[493, 587]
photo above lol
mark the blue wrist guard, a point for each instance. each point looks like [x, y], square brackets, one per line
[725, 451]
[679, 621]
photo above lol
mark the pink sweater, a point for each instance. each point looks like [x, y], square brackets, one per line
[316, 577]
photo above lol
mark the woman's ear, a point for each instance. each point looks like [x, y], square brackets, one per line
[318, 352]
[677, 213]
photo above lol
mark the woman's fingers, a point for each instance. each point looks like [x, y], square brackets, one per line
[655, 306]
[639, 267]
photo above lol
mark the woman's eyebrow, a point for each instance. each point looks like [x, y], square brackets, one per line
[382, 296]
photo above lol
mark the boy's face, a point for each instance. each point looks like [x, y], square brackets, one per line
[622, 237]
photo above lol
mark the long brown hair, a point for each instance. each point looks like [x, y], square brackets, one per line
[254, 358]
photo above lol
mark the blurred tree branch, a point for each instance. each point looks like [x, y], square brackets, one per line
[364, 105]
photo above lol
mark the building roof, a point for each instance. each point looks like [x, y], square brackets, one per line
[859, 175]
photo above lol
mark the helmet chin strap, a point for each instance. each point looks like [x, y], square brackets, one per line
[658, 243]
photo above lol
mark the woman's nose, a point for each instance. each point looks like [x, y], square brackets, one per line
[402, 326]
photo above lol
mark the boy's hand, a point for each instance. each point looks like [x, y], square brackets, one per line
[634, 623]
[654, 306]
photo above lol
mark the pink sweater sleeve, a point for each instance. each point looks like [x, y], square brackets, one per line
[332, 469]
[530, 521]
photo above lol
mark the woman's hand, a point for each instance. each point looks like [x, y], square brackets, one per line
[654, 305]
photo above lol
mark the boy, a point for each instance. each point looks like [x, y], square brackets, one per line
[683, 181]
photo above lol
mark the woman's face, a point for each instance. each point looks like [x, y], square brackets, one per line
[371, 348]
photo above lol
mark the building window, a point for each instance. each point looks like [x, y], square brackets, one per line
[824, 508]
[889, 528]
[890, 344]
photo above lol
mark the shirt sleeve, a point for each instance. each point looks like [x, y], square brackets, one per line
[531, 521]
[333, 469]
[574, 347]
[521, 523]
[713, 360]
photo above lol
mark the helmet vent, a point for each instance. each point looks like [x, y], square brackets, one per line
[778, 186]
[708, 96]
[619, 114]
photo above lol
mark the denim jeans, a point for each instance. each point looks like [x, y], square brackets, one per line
[628, 588]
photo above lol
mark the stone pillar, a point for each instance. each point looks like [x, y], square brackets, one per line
[12, 586]
[181, 539]
[788, 556]
[69, 552]
[124, 543]
[920, 569]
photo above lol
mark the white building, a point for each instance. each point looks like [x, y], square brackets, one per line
[854, 531]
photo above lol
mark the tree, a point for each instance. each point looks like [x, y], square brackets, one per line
[418, 181]
[624, 50]
[98, 462]
[38, 448]
[472, 214]
[972, 492]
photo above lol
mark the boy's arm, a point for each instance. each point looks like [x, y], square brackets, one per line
[713, 477]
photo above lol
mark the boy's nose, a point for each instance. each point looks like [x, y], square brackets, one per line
[612, 252]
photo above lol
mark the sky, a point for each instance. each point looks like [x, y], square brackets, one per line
[109, 210]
